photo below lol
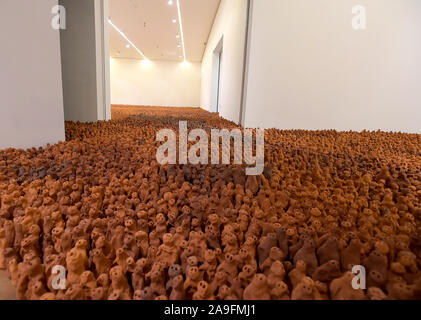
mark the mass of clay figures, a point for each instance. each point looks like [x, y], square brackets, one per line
[125, 227]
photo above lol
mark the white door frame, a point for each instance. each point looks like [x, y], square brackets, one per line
[216, 76]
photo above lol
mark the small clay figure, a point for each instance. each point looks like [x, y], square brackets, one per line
[303, 290]
[328, 251]
[119, 283]
[101, 262]
[167, 251]
[265, 245]
[247, 274]
[177, 292]
[341, 289]
[203, 292]
[307, 254]
[157, 282]
[173, 271]
[351, 255]
[298, 273]
[258, 289]
[209, 265]
[276, 274]
[327, 271]
[280, 291]
[193, 278]
[275, 254]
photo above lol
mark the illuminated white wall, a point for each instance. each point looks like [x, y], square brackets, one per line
[31, 107]
[157, 83]
[309, 69]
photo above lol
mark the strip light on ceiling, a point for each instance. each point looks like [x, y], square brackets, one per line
[127, 39]
[181, 29]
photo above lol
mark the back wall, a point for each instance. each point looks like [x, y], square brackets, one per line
[155, 83]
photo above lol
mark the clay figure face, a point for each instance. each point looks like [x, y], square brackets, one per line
[248, 270]
[137, 295]
[192, 261]
[195, 222]
[334, 265]
[115, 295]
[103, 280]
[98, 293]
[243, 253]
[86, 277]
[202, 287]
[116, 273]
[229, 257]
[167, 238]
[275, 253]
[184, 244]
[129, 223]
[213, 235]
[97, 252]
[57, 232]
[260, 279]
[82, 244]
[306, 290]
[281, 286]
[155, 275]
[224, 290]
[209, 255]
[38, 286]
[277, 268]
[128, 238]
[146, 294]
[141, 263]
[160, 219]
[177, 281]
[130, 261]
[194, 273]
[171, 216]
[376, 277]
[213, 219]
[120, 252]
[189, 251]
[174, 270]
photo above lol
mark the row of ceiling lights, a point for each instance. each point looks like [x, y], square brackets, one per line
[170, 2]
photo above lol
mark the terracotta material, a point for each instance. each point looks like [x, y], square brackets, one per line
[258, 289]
[125, 227]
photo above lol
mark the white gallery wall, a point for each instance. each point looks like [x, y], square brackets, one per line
[230, 26]
[31, 108]
[309, 69]
[155, 83]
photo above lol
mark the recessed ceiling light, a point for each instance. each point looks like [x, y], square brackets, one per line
[178, 46]
[127, 39]
[170, 2]
[177, 36]
[127, 46]
[174, 20]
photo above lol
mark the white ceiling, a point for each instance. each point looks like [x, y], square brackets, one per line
[148, 24]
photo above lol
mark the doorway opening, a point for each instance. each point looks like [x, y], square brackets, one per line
[216, 76]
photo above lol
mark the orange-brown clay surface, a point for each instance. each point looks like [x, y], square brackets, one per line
[125, 227]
